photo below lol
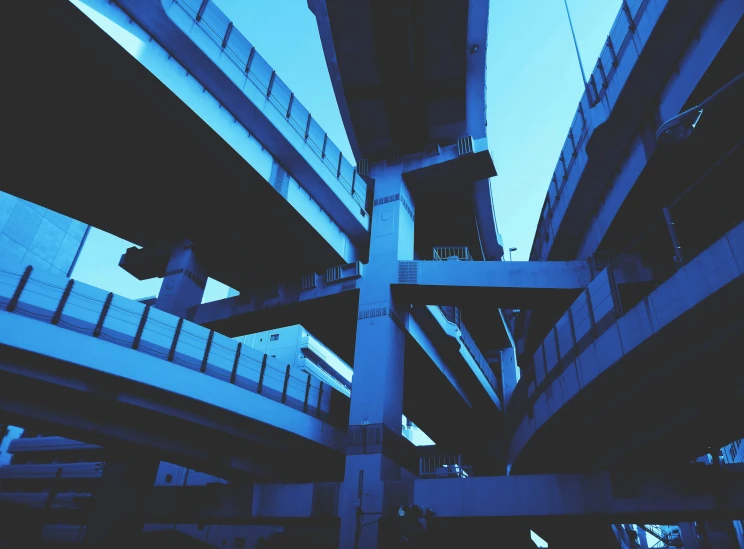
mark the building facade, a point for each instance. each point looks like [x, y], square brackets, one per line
[38, 236]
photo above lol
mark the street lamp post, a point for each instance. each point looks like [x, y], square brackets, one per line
[679, 128]
[578, 55]
[510, 252]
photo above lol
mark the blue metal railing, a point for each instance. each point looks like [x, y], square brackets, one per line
[88, 310]
[260, 74]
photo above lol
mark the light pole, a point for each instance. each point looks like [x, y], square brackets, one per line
[679, 128]
[510, 252]
[578, 55]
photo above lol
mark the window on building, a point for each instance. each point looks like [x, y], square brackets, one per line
[274, 337]
[168, 478]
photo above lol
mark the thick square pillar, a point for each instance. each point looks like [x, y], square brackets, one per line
[375, 441]
[116, 517]
[689, 535]
[183, 283]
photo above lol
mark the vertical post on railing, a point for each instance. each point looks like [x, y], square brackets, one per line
[590, 310]
[234, 373]
[611, 47]
[573, 332]
[286, 383]
[614, 291]
[307, 126]
[573, 142]
[582, 115]
[13, 303]
[320, 399]
[271, 84]
[63, 300]
[248, 63]
[140, 328]
[200, 13]
[104, 312]
[626, 9]
[291, 102]
[557, 350]
[593, 82]
[325, 144]
[307, 393]
[172, 352]
[678, 255]
[602, 72]
[229, 30]
[261, 375]
[338, 170]
[206, 352]
[353, 181]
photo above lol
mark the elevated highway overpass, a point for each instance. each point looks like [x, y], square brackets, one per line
[195, 144]
[175, 355]
[611, 177]
[410, 82]
[617, 386]
[110, 371]
[465, 509]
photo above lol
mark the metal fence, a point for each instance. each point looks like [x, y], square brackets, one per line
[449, 466]
[442, 253]
[81, 308]
[260, 74]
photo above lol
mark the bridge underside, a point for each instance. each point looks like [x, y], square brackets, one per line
[123, 153]
[403, 67]
[670, 400]
[50, 395]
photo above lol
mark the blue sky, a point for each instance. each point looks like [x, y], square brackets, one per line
[534, 86]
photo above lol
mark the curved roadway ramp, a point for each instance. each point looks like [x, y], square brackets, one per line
[661, 378]
[111, 371]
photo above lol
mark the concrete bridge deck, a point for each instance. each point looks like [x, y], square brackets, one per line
[618, 386]
[101, 368]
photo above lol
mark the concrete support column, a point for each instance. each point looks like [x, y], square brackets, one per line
[183, 283]
[116, 514]
[182, 288]
[689, 535]
[509, 373]
[720, 534]
[377, 399]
